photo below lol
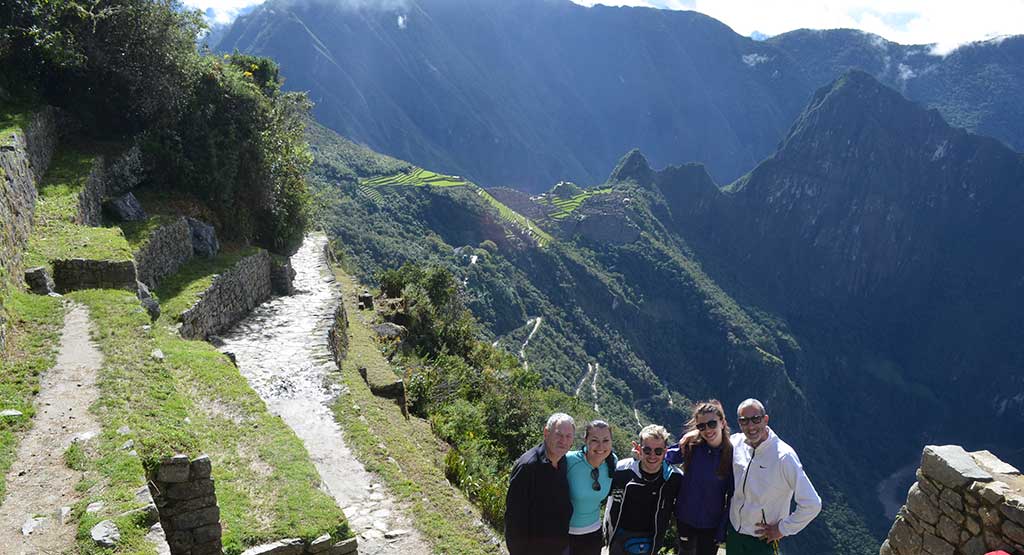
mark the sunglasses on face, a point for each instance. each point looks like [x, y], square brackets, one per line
[656, 450]
[752, 420]
[710, 424]
[593, 476]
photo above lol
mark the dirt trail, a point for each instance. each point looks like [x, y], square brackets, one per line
[281, 348]
[39, 483]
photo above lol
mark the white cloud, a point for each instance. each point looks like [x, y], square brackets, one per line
[946, 24]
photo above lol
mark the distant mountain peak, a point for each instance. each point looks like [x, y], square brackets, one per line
[633, 167]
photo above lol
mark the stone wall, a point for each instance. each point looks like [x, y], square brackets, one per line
[962, 504]
[167, 249]
[108, 177]
[230, 297]
[324, 545]
[186, 500]
[76, 274]
[90, 199]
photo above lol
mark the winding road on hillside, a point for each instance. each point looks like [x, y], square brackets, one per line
[282, 349]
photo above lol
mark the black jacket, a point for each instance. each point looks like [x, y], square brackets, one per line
[628, 485]
[537, 508]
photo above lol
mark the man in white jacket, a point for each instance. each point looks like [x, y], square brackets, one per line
[768, 476]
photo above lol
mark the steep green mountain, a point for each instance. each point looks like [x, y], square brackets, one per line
[527, 93]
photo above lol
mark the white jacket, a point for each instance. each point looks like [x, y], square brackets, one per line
[767, 478]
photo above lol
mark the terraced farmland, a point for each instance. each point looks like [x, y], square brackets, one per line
[565, 206]
[369, 188]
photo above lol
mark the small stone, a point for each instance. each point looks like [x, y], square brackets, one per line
[33, 524]
[391, 534]
[64, 515]
[974, 546]
[128, 445]
[373, 534]
[11, 413]
[125, 208]
[157, 355]
[106, 534]
[345, 547]
[94, 507]
[380, 525]
[321, 544]
[124, 430]
[381, 513]
[937, 546]
[143, 495]
[973, 527]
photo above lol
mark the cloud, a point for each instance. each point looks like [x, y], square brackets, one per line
[944, 24]
[225, 11]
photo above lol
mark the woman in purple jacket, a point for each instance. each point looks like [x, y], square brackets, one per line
[702, 507]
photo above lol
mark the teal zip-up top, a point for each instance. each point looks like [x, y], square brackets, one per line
[586, 502]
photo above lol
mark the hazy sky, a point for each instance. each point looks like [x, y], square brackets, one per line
[945, 23]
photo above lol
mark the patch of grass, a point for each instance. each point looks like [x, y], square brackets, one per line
[55, 235]
[177, 293]
[138, 233]
[196, 402]
[75, 457]
[32, 340]
[404, 453]
[12, 120]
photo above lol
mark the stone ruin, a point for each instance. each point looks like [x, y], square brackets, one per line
[962, 504]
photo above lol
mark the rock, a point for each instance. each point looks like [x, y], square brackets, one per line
[921, 506]
[885, 549]
[174, 469]
[148, 302]
[39, 281]
[204, 238]
[10, 413]
[150, 512]
[937, 546]
[391, 534]
[64, 515]
[125, 208]
[991, 492]
[143, 495]
[291, 546]
[345, 547]
[124, 430]
[201, 467]
[321, 544]
[157, 355]
[903, 538]
[948, 529]
[951, 466]
[974, 546]
[1013, 508]
[1014, 532]
[366, 300]
[128, 445]
[390, 330]
[106, 534]
[94, 507]
[990, 463]
[33, 524]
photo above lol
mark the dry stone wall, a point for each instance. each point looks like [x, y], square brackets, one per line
[231, 296]
[962, 504]
[76, 274]
[166, 250]
[186, 500]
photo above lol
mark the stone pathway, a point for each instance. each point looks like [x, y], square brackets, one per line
[281, 348]
[39, 483]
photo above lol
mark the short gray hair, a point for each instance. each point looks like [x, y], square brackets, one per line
[751, 403]
[559, 418]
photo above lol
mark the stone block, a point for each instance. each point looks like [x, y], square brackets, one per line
[207, 534]
[1013, 507]
[973, 526]
[936, 545]
[106, 534]
[922, 506]
[902, 538]
[952, 499]
[202, 467]
[948, 530]
[927, 486]
[992, 492]
[992, 464]
[125, 208]
[196, 519]
[974, 546]
[181, 507]
[179, 541]
[321, 544]
[989, 517]
[190, 490]
[212, 548]
[951, 466]
[1014, 532]
[78, 273]
[345, 547]
[173, 470]
[39, 281]
[291, 546]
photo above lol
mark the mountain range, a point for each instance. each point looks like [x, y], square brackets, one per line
[530, 92]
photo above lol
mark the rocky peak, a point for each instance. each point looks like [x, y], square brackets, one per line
[633, 167]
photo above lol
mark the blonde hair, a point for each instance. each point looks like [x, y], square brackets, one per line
[654, 431]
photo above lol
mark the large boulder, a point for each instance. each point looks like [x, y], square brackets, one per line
[204, 238]
[39, 281]
[125, 208]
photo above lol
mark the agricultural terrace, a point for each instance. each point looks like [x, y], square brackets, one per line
[565, 206]
[425, 178]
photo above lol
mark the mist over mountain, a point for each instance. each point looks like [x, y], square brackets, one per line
[530, 92]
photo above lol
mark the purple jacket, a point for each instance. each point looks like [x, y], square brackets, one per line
[703, 500]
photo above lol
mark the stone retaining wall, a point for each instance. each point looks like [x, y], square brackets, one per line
[324, 545]
[168, 248]
[962, 504]
[186, 500]
[229, 298]
[76, 274]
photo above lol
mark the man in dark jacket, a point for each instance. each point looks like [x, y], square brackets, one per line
[537, 508]
[640, 507]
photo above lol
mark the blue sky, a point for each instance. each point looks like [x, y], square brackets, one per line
[946, 24]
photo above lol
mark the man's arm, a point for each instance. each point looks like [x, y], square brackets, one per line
[808, 502]
[517, 509]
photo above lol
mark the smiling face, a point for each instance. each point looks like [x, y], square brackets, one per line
[756, 432]
[599, 445]
[652, 453]
[712, 424]
[558, 440]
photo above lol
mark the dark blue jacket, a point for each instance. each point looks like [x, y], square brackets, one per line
[703, 500]
[537, 507]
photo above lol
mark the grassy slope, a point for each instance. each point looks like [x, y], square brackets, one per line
[405, 453]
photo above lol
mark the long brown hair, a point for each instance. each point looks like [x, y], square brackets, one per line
[725, 458]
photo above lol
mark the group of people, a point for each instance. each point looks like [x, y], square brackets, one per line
[714, 487]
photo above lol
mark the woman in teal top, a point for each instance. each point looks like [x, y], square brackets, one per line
[590, 479]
